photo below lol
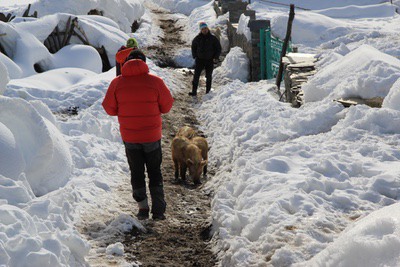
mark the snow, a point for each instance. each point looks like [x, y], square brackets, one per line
[243, 28]
[375, 234]
[314, 186]
[235, 66]
[115, 249]
[122, 12]
[45, 154]
[4, 77]
[392, 100]
[181, 6]
[204, 13]
[22, 36]
[365, 72]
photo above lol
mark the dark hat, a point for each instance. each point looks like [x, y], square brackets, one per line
[136, 54]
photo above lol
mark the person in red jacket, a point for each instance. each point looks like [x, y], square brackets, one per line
[139, 98]
[123, 53]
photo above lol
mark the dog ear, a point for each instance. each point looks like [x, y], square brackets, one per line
[189, 162]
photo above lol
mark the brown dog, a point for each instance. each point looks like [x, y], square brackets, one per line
[187, 155]
[187, 132]
[201, 143]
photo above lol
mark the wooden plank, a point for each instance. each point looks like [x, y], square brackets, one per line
[375, 102]
[103, 54]
[58, 37]
[26, 13]
[285, 45]
[64, 41]
[55, 41]
[71, 31]
[81, 38]
[86, 40]
[302, 65]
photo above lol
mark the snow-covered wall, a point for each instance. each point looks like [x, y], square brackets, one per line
[123, 12]
[22, 37]
[181, 6]
[364, 72]
[234, 67]
[47, 162]
[392, 100]
[4, 78]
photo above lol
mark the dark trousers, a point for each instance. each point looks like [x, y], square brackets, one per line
[201, 64]
[149, 156]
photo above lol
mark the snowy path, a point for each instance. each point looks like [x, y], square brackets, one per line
[183, 238]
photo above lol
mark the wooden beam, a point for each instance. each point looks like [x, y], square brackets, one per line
[64, 41]
[26, 13]
[81, 38]
[82, 32]
[285, 45]
[58, 37]
[71, 31]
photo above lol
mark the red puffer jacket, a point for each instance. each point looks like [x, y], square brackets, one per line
[138, 98]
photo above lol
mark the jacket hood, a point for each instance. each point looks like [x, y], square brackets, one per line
[134, 67]
[122, 54]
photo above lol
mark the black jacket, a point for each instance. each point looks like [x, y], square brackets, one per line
[206, 47]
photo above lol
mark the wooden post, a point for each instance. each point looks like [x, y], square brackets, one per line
[58, 37]
[64, 41]
[104, 58]
[285, 45]
[71, 31]
[26, 13]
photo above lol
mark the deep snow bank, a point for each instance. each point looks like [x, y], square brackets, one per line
[365, 72]
[181, 6]
[235, 66]
[4, 78]
[47, 162]
[123, 12]
[23, 36]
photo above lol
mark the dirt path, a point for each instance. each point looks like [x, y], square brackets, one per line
[183, 239]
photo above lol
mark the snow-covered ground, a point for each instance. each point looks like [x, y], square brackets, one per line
[314, 186]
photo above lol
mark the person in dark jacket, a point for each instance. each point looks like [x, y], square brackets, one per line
[206, 50]
[138, 99]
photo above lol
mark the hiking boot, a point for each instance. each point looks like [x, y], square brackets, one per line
[143, 214]
[192, 94]
[158, 217]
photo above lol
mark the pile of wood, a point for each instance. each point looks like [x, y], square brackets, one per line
[375, 102]
[298, 68]
[60, 38]
[9, 17]
[6, 18]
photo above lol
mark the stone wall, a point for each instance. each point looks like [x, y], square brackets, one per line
[250, 47]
